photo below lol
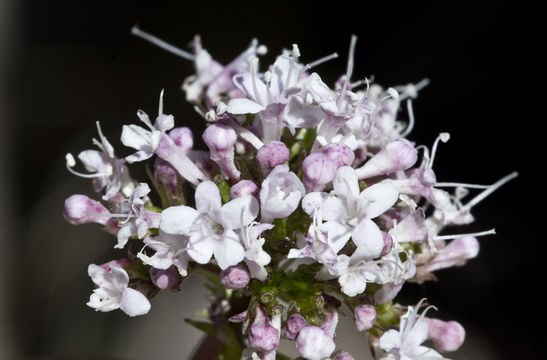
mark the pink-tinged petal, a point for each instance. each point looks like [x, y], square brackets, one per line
[378, 198]
[313, 201]
[333, 209]
[125, 232]
[243, 106]
[94, 160]
[239, 212]
[201, 249]
[390, 340]
[319, 91]
[208, 198]
[177, 219]
[134, 303]
[411, 228]
[165, 122]
[281, 68]
[338, 235]
[140, 156]
[254, 89]
[346, 186]
[368, 238]
[228, 251]
[256, 230]
[417, 335]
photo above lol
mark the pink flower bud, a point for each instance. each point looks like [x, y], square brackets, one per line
[272, 154]
[221, 139]
[446, 336]
[388, 243]
[235, 277]
[262, 335]
[80, 209]
[397, 155]
[183, 138]
[243, 188]
[164, 279]
[319, 170]
[294, 324]
[365, 317]
[341, 155]
[454, 254]
[343, 356]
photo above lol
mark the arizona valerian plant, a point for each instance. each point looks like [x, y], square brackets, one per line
[310, 201]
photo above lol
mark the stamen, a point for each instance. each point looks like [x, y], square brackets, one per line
[295, 51]
[349, 70]
[444, 137]
[410, 119]
[456, 236]
[468, 186]
[262, 50]
[161, 44]
[160, 107]
[489, 191]
[71, 162]
[320, 61]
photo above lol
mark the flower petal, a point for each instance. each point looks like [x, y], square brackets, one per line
[178, 219]
[241, 106]
[228, 251]
[368, 238]
[239, 212]
[208, 199]
[378, 198]
[134, 303]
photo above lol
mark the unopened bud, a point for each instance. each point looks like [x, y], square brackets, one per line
[365, 317]
[235, 277]
[340, 154]
[164, 279]
[80, 209]
[183, 137]
[397, 155]
[312, 343]
[319, 170]
[446, 335]
[262, 335]
[243, 188]
[388, 243]
[294, 324]
[221, 139]
[272, 154]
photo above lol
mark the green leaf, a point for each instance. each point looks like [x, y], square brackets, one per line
[206, 327]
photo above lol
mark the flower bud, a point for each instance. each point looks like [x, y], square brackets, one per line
[243, 188]
[388, 243]
[262, 335]
[165, 174]
[183, 138]
[80, 209]
[446, 335]
[343, 356]
[221, 139]
[294, 324]
[454, 254]
[235, 277]
[319, 170]
[164, 279]
[313, 344]
[365, 317]
[272, 154]
[340, 154]
[397, 155]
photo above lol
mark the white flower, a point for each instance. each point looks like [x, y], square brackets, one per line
[146, 141]
[108, 172]
[211, 227]
[113, 293]
[170, 250]
[405, 344]
[354, 210]
[138, 219]
[280, 194]
[255, 257]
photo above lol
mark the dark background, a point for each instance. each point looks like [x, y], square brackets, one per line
[70, 63]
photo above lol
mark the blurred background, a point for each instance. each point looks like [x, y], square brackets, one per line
[66, 64]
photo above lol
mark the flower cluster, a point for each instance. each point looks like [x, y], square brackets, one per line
[309, 200]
